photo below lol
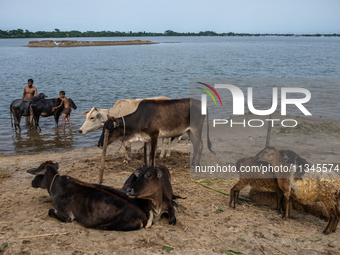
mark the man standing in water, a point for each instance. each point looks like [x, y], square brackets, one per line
[67, 109]
[29, 93]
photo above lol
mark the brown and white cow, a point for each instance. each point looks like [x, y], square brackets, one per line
[122, 107]
[155, 119]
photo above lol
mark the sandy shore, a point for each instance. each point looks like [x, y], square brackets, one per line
[205, 224]
[72, 43]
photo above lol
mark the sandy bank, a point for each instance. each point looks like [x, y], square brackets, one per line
[69, 43]
[205, 224]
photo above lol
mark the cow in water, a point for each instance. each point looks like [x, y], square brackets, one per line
[155, 119]
[21, 107]
[44, 108]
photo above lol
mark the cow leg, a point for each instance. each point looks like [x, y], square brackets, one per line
[15, 120]
[56, 214]
[197, 143]
[56, 118]
[180, 138]
[18, 122]
[169, 148]
[31, 120]
[128, 154]
[154, 140]
[150, 220]
[163, 149]
[146, 154]
[37, 122]
[171, 212]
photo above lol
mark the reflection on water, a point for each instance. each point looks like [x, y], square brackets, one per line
[33, 141]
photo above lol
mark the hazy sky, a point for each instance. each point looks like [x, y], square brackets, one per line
[253, 16]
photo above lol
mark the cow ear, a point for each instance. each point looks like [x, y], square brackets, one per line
[137, 172]
[37, 171]
[98, 115]
[85, 113]
[159, 173]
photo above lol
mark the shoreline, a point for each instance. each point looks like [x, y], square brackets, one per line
[73, 43]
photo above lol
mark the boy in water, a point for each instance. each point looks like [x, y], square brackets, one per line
[29, 93]
[67, 109]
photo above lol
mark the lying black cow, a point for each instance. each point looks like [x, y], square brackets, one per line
[153, 184]
[21, 107]
[92, 206]
[155, 119]
[44, 108]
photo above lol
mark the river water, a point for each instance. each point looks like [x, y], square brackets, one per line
[99, 76]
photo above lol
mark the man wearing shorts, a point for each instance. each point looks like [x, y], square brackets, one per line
[29, 93]
[67, 109]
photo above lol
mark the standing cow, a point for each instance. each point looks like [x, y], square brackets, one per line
[122, 107]
[155, 119]
[44, 108]
[21, 107]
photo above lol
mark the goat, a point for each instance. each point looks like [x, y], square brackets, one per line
[306, 187]
[261, 181]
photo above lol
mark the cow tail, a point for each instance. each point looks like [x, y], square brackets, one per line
[208, 139]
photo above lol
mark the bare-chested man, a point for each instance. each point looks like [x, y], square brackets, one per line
[67, 109]
[29, 93]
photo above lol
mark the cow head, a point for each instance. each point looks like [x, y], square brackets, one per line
[72, 104]
[44, 174]
[41, 96]
[113, 126]
[94, 117]
[148, 183]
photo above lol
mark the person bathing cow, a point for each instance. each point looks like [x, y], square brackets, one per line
[29, 93]
[67, 108]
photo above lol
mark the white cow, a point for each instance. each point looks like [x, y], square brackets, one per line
[122, 107]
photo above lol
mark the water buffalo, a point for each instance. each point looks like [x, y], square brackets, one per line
[20, 107]
[44, 108]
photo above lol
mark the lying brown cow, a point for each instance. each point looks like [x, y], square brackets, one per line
[92, 206]
[153, 184]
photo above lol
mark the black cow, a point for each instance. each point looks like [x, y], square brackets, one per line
[21, 107]
[92, 206]
[155, 119]
[44, 108]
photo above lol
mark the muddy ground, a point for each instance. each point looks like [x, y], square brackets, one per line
[205, 223]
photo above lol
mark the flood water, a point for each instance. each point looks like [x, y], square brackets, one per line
[99, 76]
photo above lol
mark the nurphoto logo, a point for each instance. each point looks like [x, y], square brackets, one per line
[238, 104]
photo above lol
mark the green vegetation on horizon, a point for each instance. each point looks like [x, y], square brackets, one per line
[20, 33]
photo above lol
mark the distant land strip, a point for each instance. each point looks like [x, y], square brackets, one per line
[20, 33]
[72, 43]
